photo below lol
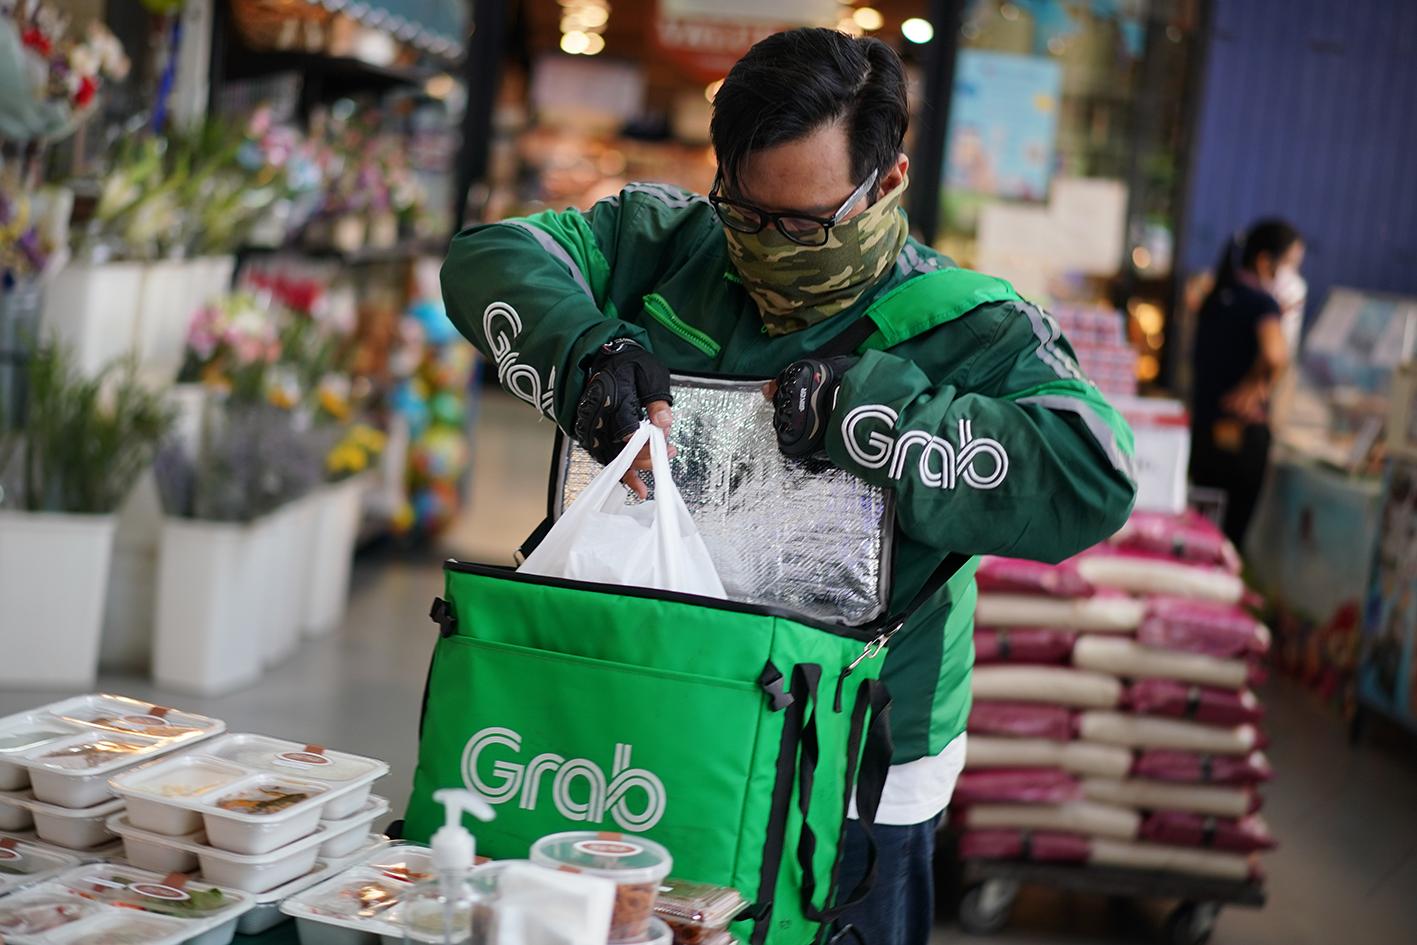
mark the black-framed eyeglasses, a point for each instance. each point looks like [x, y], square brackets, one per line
[800, 228]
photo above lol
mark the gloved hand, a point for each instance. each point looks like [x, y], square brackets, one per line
[624, 383]
[803, 397]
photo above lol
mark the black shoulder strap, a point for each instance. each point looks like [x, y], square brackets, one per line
[851, 338]
[938, 578]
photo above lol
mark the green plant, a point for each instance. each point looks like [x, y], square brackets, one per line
[84, 441]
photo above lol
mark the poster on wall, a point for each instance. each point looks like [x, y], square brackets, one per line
[1003, 124]
[704, 38]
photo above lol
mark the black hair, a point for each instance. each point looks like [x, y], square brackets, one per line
[791, 83]
[1273, 236]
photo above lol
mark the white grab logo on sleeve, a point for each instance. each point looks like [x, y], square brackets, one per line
[579, 787]
[869, 434]
[501, 326]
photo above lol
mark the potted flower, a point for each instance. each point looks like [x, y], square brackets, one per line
[65, 470]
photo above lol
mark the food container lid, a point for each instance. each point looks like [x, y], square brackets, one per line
[263, 800]
[122, 715]
[406, 862]
[121, 929]
[700, 904]
[42, 909]
[172, 895]
[21, 862]
[657, 934]
[361, 896]
[32, 730]
[95, 753]
[278, 756]
[179, 777]
[626, 859]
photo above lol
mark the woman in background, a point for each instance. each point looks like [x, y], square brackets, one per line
[1240, 352]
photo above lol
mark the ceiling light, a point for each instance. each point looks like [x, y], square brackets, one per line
[917, 30]
[868, 18]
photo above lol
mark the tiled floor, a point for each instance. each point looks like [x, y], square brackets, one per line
[1346, 873]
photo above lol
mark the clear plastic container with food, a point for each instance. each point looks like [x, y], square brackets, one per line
[635, 864]
[206, 909]
[348, 777]
[360, 905]
[23, 733]
[66, 827]
[117, 928]
[24, 864]
[697, 912]
[42, 909]
[69, 749]
[150, 789]
[262, 814]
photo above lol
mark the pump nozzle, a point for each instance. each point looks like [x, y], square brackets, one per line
[454, 848]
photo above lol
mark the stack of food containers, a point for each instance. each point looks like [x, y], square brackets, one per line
[698, 914]
[1113, 722]
[360, 906]
[119, 905]
[55, 762]
[251, 812]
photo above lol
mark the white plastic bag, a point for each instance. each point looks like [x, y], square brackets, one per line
[654, 544]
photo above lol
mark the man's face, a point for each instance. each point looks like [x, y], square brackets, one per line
[810, 176]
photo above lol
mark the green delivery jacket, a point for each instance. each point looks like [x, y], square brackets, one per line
[538, 295]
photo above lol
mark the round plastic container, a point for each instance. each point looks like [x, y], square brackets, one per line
[657, 933]
[635, 864]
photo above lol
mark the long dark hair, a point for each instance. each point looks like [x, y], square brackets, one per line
[1271, 235]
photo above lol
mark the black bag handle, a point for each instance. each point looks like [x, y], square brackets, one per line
[866, 769]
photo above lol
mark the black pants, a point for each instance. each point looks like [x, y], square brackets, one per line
[1239, 472]
[900, 909]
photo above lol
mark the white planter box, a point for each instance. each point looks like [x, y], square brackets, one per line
[94, 310]
[170, 295]
[209, 606]
[53, 578]
[287, 545]
[341, 508]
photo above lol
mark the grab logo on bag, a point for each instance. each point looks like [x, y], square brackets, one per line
[939, 464]
[578, 787]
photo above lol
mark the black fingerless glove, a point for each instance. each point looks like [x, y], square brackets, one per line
[623, 378]
[802, 406]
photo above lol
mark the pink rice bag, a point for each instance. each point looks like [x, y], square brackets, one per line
[1023, 645]
[1188, 767]
[1185, 537]
[1015, 786]
[1224, 631]
[1184, 829]
[1017, 576]
[1022, 720]
[1206, 704]
[1043, 846]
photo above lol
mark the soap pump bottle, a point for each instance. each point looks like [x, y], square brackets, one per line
[444, 909]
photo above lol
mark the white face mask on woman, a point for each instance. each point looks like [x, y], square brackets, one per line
[1288, 288]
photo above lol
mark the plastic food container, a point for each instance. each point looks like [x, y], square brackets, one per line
[267, 915]
[656, 933]
[637, 866]
[24, 864]
[13, 815]
[256, 874]
[250, 793]
[150, 789]
[24, 733]
[70, 749]
[117, 905]
[359, 906]
[68, 828]
[348, 777]
[348, 835]
[697, 912]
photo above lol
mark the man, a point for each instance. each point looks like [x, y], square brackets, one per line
[585, 315]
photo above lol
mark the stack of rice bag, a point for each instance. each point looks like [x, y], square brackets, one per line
[1113, 722]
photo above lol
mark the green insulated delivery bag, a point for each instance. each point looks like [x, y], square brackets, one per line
[733, 732]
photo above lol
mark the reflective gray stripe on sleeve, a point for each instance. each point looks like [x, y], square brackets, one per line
[558, 251]
[1047, 332]
[672, 197]
[1098, 427]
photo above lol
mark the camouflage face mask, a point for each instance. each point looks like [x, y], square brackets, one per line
[799, 286]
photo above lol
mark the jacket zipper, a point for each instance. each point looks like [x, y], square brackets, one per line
[659, 308]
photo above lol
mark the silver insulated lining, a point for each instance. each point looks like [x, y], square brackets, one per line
[804, 536]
